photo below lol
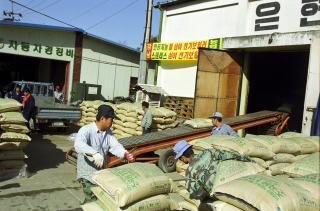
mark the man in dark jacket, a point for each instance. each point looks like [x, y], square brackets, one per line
[28, 104]
[16, 94]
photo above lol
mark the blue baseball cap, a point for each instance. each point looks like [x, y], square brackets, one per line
[180, 148]
[215, 114]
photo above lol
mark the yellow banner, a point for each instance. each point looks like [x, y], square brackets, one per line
[180, 50]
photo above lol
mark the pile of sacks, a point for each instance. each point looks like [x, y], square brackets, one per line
[89, 110]
[13, 139]
[284, 172]
[130, 116]
[135, 187]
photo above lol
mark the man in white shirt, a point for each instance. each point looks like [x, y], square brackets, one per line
[92, 143]
[58, 95]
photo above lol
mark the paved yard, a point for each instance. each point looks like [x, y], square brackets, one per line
[51, 185]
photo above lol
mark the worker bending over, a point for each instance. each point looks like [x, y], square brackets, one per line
[220, 128]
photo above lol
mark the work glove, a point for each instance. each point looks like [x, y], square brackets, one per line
[98, 159]
[128, 156]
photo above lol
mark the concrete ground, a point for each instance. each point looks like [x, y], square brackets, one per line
[51, 184]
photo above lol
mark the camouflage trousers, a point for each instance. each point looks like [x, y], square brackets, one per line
[88, 194]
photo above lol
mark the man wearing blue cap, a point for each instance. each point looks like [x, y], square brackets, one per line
[219, 127]
[202, 168]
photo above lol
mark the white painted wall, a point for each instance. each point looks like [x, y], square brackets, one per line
[108, 65]
[222, 18]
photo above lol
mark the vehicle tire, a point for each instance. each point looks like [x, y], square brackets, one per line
[167, 161]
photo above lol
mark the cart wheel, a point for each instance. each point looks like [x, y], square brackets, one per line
[167, 161]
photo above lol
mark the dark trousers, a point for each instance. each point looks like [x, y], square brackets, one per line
[146, 130]
[88, 194]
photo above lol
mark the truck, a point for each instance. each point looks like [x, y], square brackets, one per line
[50, 113]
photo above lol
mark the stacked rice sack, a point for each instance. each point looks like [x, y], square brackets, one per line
[13, 139]
[135, 187]
[89, 110]
[265, 184]
[131, 114]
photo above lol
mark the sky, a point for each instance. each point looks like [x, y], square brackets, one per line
[121, 21]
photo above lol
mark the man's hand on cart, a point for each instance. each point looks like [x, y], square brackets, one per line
[129, 157]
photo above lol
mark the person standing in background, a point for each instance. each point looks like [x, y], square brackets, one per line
[147, 118]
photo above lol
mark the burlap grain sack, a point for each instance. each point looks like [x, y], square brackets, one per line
[198, 123]
[15, 137]
[291, 135]
[177, 202]
[207, 142]
[305, 166]
[164, 126]
[266, 193]
[307, 145]
[256, 149]
[132, 114]
[232, 169]
[89, 119]
[12, 155]
[130, 107]
[277, 169]
[93, 206]
[282, 158]
[132, 131]
[90, 114]
[235, 144]
[299, 157]
[140, 117]
[310, 182]
[219, 206]
[158, 120]
[121, 111]
[162, 112]
[9, 105]
[260, 162]
[90, 110]
[13, 145]
[118, 122]
[15, 128]
[11, 164]
[181, 166]
[155, 203]
[276, 144]
[186, 195]
[132, 182]
[130, 125]
[12, 118]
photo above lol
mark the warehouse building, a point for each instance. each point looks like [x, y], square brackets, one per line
[254, 55]
[64, 56]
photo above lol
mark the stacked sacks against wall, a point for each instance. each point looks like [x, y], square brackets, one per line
[13, 139]
[131, 114]
[287, 155]
[135, 187]
[89, 110]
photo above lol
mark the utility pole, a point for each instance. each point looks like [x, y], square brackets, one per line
[11, 15]
[143, 71]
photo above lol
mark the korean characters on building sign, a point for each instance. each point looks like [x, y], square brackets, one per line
[40, 49]
[268, 14]
[179, 50]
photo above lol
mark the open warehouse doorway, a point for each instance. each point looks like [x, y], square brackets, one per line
[24, 68]
[278, 82]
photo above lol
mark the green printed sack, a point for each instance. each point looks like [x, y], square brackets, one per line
[9, 105]
[12, 118]
[256, 149]
[260, 162]
[207, 142]
[15, 128]
[266, 193]
[15, 137]
[235, 145]
[277, 169]
[305, 166]
[155, 203]
[13, 145]
[282, 158]
[310, 182]
[220, 206]
[132, 182]
[232, 169]
[307, 145]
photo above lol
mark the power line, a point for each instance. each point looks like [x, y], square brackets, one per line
[46, 7]
[39, 3]
[114, 14]
[60, 21]
[90, 9]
